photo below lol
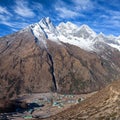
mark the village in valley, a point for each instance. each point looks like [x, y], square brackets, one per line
[43, 105]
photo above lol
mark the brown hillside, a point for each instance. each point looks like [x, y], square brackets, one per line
[104, 105]
[26, 66]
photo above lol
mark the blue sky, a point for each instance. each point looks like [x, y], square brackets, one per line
[100, 15]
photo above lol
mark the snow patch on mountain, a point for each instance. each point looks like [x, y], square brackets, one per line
[80, 42]
[115, 46]
[66, 28]
[85, 32]
[39, 34]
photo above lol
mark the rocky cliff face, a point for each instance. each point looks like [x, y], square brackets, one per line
[78, 71]
[32, 61]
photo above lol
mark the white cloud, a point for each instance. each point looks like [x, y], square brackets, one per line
[113, 12]
[112, 18]
[5, 20]
[81, 5]
[5, 16]
[104, 16]
[65, 10]
[66, 13]
[3, 10]
[37, 6]
[7, 23]
[22, 9]
[115, 23]
[20, 25]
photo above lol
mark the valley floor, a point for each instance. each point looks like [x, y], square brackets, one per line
[43, 105]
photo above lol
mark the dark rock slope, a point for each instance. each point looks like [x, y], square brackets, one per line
[26, 67]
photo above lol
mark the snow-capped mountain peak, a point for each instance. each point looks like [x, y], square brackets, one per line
[47, 25]
[68, 25]
[87, 29]
[83, 36]
[101, 37]
[71, 25]
[45, 20]
[85, 32]
[44, 30]
[101, 34]
[78, 36]
[66, 28]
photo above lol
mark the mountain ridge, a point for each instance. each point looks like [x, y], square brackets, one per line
[83, 36]
[40, 59]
